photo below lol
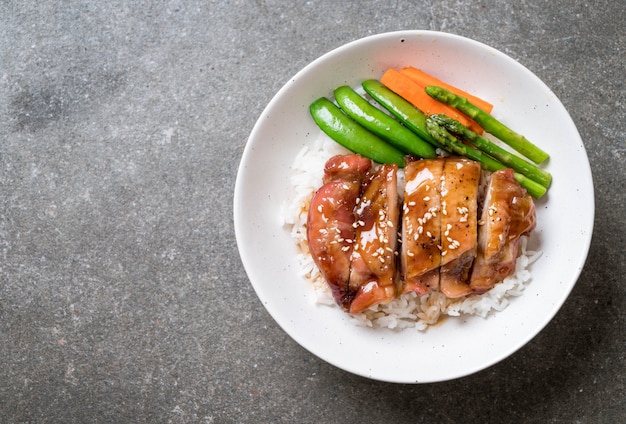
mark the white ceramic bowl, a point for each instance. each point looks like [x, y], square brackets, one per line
[460, 346]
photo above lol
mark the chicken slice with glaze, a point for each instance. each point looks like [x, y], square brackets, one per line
[373, 260]
[421, 228]
[459, 203]
[508, 213]
[331, 221]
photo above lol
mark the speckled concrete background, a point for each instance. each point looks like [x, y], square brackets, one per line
[122, 296]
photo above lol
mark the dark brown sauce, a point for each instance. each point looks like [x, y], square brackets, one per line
[441, 321]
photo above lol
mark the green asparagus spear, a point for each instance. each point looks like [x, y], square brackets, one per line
[506, 158]
[452, 145]
[489, 123]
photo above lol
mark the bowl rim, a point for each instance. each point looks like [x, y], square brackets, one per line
[238, 204]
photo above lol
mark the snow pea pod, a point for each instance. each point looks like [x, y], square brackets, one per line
[347, 132]
[381, 124]
[406, 113]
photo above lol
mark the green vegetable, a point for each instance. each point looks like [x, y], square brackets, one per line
[489, 123]
[404, 111]
[345, 131]
[505, 157]
[453, 145]
[381, 124]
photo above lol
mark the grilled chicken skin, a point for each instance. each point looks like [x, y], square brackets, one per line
[508, 213]
[353, 220]
[421, 225]
[459, 203]
[330, 222]
[373, 259]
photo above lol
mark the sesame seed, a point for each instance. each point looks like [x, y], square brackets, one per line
[426, 198]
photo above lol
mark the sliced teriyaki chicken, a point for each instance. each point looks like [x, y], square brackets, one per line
[459, 203]
[373, 260]
[421, 229]
[331, 221]
[508, 213]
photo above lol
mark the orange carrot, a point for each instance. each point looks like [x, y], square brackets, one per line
[413, 93]
[424, 80]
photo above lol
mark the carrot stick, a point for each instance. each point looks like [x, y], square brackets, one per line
[415, 94]
[424, 80]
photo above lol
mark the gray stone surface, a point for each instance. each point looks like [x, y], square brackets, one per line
[122, 296]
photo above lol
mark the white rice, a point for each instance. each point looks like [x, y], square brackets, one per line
[408, 310]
